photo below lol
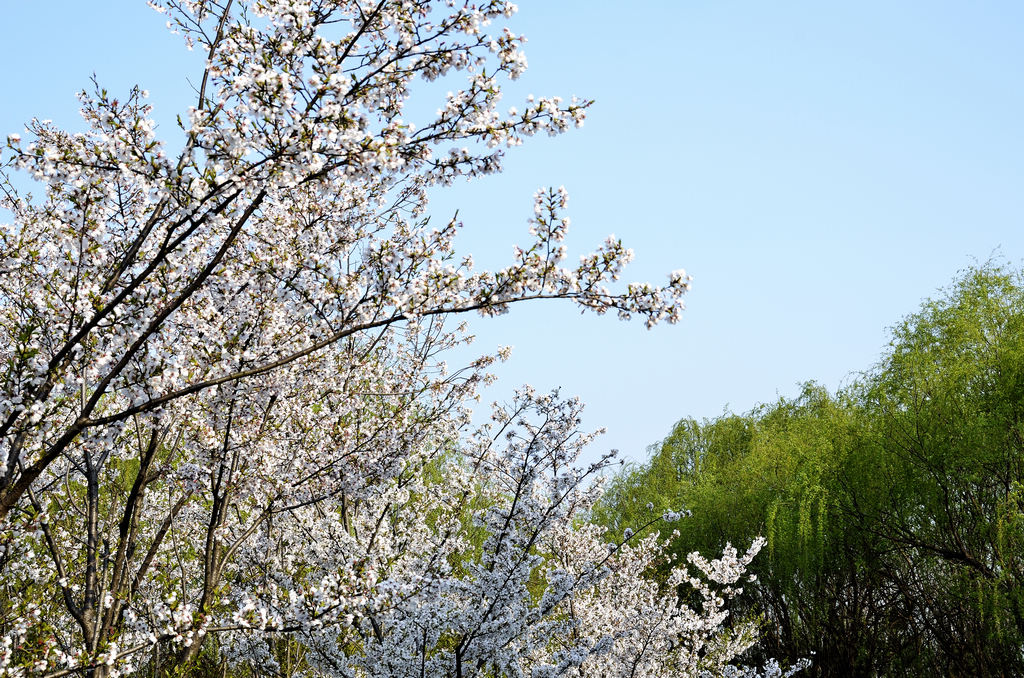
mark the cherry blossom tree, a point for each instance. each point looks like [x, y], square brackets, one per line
[226, 421]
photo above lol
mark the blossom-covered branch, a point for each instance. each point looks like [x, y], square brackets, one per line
[226, 420]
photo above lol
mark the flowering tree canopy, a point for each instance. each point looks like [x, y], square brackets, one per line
[226, 424]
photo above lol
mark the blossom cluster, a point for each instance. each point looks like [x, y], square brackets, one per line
[226, 420]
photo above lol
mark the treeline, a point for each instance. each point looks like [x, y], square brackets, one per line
[893, 509]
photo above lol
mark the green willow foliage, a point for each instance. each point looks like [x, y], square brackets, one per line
[894, 509]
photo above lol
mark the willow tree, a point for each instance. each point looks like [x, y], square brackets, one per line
[893, 510]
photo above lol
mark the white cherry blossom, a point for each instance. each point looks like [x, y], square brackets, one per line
[227, 421]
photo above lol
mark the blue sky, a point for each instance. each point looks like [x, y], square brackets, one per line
[818, 168]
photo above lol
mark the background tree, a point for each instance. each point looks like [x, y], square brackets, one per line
[947, 408]
[892, 509]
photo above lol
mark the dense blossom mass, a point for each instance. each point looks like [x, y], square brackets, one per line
[227, 428]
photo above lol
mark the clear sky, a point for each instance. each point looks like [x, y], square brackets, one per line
[819, 168]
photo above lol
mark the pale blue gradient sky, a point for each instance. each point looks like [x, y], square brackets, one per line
[819, 168]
